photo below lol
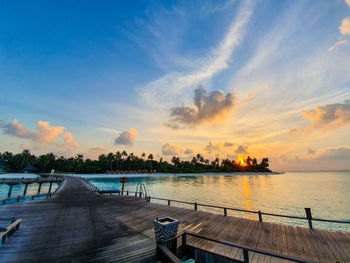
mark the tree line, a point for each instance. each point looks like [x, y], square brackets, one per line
[123, 161]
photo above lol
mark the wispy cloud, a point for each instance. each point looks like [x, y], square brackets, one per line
[161, 91]
[336, 44]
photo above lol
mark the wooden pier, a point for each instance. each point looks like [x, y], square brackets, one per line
[79, 225]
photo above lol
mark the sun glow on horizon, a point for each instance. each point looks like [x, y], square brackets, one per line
[241, 160]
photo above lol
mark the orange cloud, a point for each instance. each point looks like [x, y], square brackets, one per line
[127, 137]
[345, 26]
[44, 133]
[329, 116]
[169, 149]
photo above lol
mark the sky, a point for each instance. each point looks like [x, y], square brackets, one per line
[263, 78]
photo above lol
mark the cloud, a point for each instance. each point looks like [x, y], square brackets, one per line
[15, 128]
[336, 154]
[69, 140]
[108, 130]
[24, 146]
[345, 26]
[164, 89]
[347, 2]
[336, 44]
[188, 151]
[94, 152]
[217, 147]
[169, 149]
[44, 133]
[299, 132]
[47, 133]
[329, 116]
[127, 137]
[310, 151]
[241, 150]
[205, 108]
[211, 148]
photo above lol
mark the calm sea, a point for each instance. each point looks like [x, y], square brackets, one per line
[326, 193]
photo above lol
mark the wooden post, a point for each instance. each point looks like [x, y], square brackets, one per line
[260, 216]
[39, 189]
[168, 202]
[25, 190]
[225, 212]
[245, 256]
[10, 191]
[127, 192]
[195, 206]
[18, 198]
[309, 216]
[50, 187]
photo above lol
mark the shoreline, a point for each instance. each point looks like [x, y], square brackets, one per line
[169, 174]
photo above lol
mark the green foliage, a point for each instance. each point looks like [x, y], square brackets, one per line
[122, 161]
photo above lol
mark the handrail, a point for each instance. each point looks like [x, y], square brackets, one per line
[308, 217]
[168, 254]
[18, 198]
[9, 230]
[142, 189]
[244, 248]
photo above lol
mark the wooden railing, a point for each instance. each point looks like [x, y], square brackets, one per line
[10, 229]
[260, 214]
[22, 197]
[245, 250]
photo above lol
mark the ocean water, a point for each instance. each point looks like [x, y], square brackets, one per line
[18, 189]
[326, 193]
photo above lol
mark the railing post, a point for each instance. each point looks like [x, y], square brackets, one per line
[10, 191]
[140, 194]
[168, 202]
[127, 192]
[50, 187]
[18, 198]
[309, 216]
[149, 199]
[195, 206]
[260, 216]
[245, 255]
[225, 211]
[25, 190]
[39, 189]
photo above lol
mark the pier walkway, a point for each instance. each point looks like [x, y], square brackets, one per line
[79, 225]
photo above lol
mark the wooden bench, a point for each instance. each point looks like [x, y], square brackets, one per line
[9, 230]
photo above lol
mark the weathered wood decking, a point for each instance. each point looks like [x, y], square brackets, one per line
[78, 225]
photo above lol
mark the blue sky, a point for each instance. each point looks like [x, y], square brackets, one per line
[271, 77]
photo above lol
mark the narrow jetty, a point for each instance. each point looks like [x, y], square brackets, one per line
[79, 225]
